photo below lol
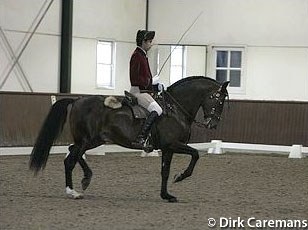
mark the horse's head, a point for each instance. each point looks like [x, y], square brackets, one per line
[213, 105]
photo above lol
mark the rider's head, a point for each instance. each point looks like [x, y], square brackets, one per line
[144, 39]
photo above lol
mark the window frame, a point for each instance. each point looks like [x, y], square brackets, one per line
[232, 89]
[111, 84]
[183, 61]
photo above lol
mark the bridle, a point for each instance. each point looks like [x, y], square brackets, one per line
[219, 96]
[215, 112]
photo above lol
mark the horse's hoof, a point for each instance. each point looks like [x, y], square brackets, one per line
[78, 197]
[85, 182]
[71, 193]
[173, 200]
[178, 177]
[169, 198]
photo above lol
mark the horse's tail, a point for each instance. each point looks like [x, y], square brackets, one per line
[52, 127]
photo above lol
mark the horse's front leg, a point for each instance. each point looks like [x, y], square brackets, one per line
[165, 171]
[185, 149]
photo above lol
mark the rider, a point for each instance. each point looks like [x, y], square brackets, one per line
[141, 84]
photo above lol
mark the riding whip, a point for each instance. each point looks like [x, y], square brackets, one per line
[185, 32]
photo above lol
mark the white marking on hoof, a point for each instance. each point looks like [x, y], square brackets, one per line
[71, 193]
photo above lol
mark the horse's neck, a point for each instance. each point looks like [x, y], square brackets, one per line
[190, 98]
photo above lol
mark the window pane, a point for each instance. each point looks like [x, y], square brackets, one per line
[236, 59]
[235, 78]
[104, 53]
[175, 73]
[221, 75]
[177, 55]
[222, 59]
[104, 75]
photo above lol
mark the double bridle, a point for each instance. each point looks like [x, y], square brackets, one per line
[213, 114]
[219, 96]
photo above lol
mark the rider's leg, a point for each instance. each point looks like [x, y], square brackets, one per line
[155, 111]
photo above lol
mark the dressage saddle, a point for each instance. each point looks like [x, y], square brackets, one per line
[131, 101]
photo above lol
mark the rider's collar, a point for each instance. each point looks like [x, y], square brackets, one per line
[145, 52]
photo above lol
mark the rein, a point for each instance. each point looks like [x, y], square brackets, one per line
[184, 111]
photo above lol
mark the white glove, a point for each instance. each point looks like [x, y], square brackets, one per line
[160, 87]
[155, 80]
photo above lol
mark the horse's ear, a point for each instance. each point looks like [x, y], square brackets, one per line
[225, 84]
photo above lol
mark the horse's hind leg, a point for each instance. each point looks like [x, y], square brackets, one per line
[87, 174]
[69, 163]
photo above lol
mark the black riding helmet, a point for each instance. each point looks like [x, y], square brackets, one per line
[144, 35]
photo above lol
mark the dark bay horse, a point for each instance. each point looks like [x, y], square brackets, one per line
[94, 122]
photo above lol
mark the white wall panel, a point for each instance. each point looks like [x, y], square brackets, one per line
[92, 19]
[114, 19]
[41, 55]
[274, 33]
[39, 62]
[276, 74]
[251, 22]
[196, 61]
[84, 68]
[19, 15]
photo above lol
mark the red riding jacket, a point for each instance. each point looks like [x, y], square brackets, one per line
[139, 71]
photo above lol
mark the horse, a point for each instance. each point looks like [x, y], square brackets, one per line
[95, 121]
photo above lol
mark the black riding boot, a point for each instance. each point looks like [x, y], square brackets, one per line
[139, 143]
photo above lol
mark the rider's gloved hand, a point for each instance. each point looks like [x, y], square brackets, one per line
[160, 87]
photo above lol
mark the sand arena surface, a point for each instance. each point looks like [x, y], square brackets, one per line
[124, 192]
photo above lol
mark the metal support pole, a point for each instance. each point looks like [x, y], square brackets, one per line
[147, 15]
[66, 46]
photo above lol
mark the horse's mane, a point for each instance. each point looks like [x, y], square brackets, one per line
[189, 79]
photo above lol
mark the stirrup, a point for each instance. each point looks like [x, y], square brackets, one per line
[145, 146]
[149, 148]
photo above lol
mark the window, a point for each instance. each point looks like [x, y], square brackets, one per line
[229, 66]
[105, 64]
[177, 69]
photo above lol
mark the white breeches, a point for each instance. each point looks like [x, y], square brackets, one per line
[146, 100]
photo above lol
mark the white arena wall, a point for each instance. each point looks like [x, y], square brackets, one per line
[272, 33]
[274, 73]
[116, 20]
[276, 47]
[250, 22]
[214, 147]
[40, 59]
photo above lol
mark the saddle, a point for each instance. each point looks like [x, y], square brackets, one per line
[131, 101]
